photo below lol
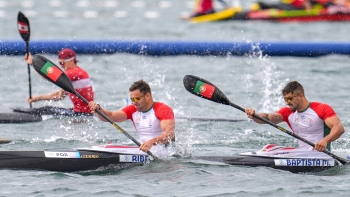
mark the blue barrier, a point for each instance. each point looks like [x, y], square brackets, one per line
[164, 48]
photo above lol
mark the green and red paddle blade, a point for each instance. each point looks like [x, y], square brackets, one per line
[51, 72]
[203, 88]
[23, 26]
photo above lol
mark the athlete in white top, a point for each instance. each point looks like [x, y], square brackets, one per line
[313, 121]
[154, 121]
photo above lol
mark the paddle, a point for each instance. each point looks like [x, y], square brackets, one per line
[209, 119]
[24, 31]
[204, 89]
[51, 72]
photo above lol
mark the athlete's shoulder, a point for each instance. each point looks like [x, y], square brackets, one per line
[129, 110]
[160, 105]
[284, 111]
[129, 107]
[77, 73]
[319, 105]
[163, 111]
[81, 69]
[323, 110]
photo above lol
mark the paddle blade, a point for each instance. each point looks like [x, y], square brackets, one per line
[23, 26]
[51, 72]
[203, 88]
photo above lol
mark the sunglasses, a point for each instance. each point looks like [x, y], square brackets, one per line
[67, 60]
[136, 99]
[289, 99]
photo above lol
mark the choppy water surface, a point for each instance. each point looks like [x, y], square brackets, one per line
[250, 81]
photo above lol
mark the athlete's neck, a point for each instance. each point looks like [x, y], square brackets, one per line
[149, 108]
[304, 105]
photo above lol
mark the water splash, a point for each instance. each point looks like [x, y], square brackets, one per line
[267, 76]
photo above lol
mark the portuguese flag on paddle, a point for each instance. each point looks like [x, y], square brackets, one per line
[51, 71]
[204, 89]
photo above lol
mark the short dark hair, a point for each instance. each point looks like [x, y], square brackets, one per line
[140, 85]
[292, 87]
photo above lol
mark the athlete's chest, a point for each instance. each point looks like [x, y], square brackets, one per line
[306, 119]
[145, 120]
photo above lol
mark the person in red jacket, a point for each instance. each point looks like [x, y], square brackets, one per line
[80, 80]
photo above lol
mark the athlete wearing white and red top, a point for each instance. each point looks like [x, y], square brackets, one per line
[154, 121]
[80, 80]
[310, 123]
[147, 123]
[313, 121]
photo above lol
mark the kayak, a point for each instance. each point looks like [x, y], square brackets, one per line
[109, 156]
[120, 156]
[26, 115]
[331, 13]
[279, 157]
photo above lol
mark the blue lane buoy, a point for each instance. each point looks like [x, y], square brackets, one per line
[167, 48]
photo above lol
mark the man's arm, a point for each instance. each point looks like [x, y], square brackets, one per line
[168, 128]
[337, 130]
[55, 96]
[116, 116]
[272, 117]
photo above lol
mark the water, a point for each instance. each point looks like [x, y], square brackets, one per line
[250, 81]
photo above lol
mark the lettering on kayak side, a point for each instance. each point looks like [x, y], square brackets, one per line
[90, 156]
[62, 154]
[304, 162]
[133, 158]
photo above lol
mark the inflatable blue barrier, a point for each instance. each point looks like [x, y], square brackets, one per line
[166, 48]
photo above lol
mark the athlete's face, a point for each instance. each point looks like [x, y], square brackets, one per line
[292, 100]
[66, 63]
[139, 100]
